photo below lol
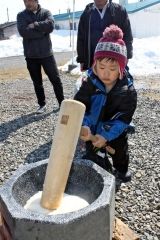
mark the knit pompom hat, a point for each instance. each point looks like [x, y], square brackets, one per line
[111, 45]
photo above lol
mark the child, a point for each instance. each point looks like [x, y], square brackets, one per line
[110, 99]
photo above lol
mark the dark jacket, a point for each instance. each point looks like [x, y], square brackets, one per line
[36, 42]
[115, 14]
[107, 114]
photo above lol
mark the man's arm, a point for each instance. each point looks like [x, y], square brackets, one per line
[80, 40]
[45, 26]
[127, 31]
[25, 31]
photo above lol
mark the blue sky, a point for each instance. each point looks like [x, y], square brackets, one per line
[55, 6]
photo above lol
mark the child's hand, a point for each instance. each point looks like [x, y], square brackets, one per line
[85, 133]
[99, 141]
[81, 67]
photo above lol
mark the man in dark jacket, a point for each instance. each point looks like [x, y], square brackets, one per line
[95, 18]
[34, 25]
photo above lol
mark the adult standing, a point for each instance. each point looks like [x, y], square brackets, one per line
[35, 25]
[94, 19]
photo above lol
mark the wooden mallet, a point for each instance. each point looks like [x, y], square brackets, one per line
[62, 152]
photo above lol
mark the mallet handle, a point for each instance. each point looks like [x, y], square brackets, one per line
[93, 139]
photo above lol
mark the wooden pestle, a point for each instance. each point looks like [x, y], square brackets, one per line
[62, 152]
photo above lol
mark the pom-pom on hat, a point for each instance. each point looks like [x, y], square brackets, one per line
[111, 45]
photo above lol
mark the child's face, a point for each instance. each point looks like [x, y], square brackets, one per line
[108, 71]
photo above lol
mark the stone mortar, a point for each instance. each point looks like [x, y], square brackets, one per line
[86, 180]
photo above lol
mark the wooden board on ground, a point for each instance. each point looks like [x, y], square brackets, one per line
[4, 231]
[0, 220]
[123, 232]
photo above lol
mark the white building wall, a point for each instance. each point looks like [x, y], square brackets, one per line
[146, 23]
[9, 31]
[65, 24]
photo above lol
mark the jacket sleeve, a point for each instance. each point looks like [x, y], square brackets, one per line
[128, 105]
[113, 128]
[26, 32]
[127, 31]
[84, 96]
[46, 26]
[81, 40]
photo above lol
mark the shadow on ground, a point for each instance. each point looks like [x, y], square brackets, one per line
[12, 126]
[43, 152]
[39, 154]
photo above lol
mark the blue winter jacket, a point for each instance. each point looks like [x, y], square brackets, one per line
[107, 114]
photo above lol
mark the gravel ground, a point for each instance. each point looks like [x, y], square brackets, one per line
[26, 137]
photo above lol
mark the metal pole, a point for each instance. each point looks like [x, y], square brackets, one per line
[7, 15]
[73, 17]
[69, 16]
[72, 65]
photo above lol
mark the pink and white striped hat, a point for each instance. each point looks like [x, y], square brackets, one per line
[111, 45]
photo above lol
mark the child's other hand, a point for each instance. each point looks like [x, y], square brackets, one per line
[81, 67]
[85, 133]
[99, 141]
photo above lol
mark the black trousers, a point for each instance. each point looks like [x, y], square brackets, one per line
[49, 65]
[120, 158]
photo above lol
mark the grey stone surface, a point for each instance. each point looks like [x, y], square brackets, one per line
[86, 180]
